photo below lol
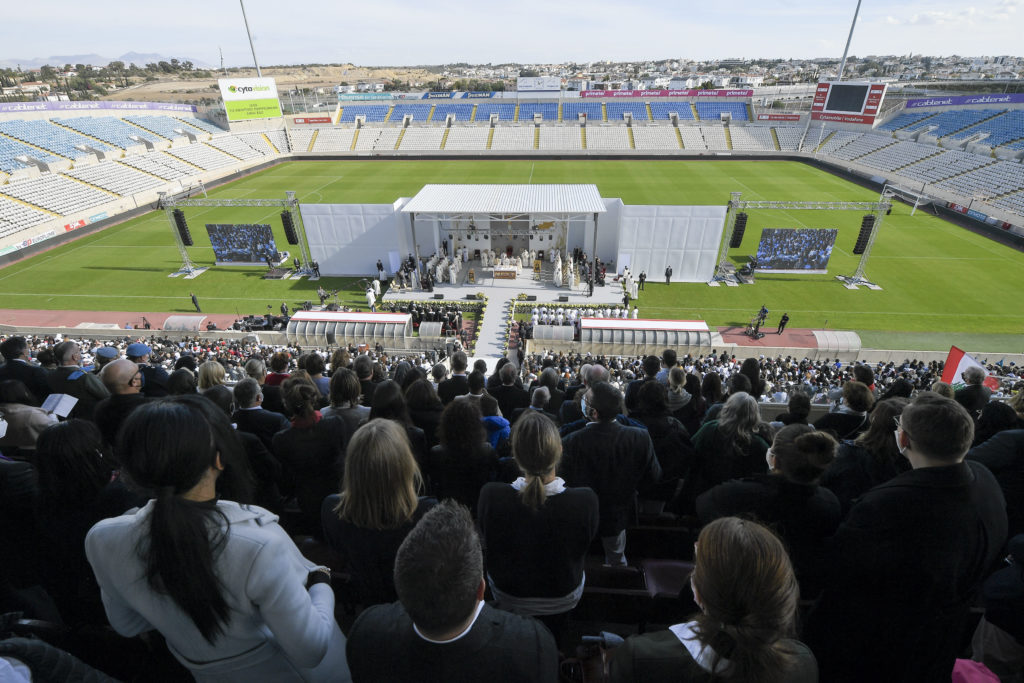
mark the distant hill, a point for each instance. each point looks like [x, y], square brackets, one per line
[138, 58]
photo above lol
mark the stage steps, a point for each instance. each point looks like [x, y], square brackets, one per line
[679, 138]
[312, 139]
[444, 138]
[775, 140]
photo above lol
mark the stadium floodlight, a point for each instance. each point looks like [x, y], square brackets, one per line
[842, 64]
[259, 74]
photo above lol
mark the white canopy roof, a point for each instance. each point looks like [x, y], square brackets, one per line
[506, 199]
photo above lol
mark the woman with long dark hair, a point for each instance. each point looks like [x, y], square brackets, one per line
[463, 462]
[744, 584]
[378, 506]
[536, 531]
[222, 582]
[388, 403]
[425, 409]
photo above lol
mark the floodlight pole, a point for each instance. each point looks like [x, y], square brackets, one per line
[252, 47]
[842, 65]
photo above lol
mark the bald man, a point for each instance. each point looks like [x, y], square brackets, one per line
[70, 378]
[123, 379]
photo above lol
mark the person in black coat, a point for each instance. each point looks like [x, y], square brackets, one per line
[613, 460]
[123, 379]
[672, 445]
[1003, 454]
[425, 409]
[903, 566]
[787, 499]
[377, 507]
[975, 395]
[458, 383]
[539, 400]
[250, 415]
[18, 365]
[510, 397]
[464, 461]
[651, 365]
[389, 404]
[852, 417]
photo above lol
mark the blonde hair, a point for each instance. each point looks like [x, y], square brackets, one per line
[211, 374]
[381, 478]
[537, 449]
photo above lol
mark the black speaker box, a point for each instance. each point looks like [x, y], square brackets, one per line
[531, 298]
[439, 296]
[866, 226]
[289, 227]
[738, 230]
[563, 298]
[182, 226]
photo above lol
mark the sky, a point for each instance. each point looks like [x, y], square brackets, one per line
[402, 32]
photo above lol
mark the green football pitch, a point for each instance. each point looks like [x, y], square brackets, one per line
[940, 283]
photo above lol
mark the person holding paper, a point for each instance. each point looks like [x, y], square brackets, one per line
[69, 378]
[24, 422]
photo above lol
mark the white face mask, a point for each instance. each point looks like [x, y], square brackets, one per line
[901, 447]
[769, 458]
[583, 406]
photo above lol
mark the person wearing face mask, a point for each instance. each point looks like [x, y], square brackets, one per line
[904, 564]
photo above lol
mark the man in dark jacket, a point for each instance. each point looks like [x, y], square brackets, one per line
[251, 417]
[975, 395]
[903, 566]
[1003, 454]
[123, 379]
[441, 629]
[17, 365]
[510, 397]
[69, 378]
[458, 383]
[612, 459]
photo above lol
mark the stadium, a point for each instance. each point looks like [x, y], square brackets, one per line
[865, 228]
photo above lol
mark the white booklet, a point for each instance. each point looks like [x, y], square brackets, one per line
[59, 404]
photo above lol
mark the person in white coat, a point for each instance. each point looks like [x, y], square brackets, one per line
[223, 582]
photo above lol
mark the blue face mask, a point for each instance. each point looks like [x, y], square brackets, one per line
[583, 406]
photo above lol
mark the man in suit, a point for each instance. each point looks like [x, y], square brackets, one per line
[123, 379]
[668, 274]
[272, 401]
[549, 378]
[363, 367]
[651, 366]
[902, 569]
[154, 377]
[17, 365]
[441, 629]
[614, 460]
[69, 378]
[251, 417]
[458, 383]
[975, 395]
[510, 397]
[538, 401]
[195, 302]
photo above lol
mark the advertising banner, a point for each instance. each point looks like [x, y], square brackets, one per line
[778, 117]
[1011, 98]
[312, 119]
[666, 93]
[18, 107]
[844, 118]
[250, 98]
[438, 95]
[68, 227]
[365, 96]
[538, 83]
[841, 102]
[478, 95]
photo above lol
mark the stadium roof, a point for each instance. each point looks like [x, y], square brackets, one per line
[506, 199]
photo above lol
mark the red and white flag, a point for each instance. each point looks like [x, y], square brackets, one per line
[956, 362]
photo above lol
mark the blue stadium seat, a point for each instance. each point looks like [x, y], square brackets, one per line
[549, 110]
[953, 120]
[661, 110]
[53, 138]
[462, 111]
[9, 149]
[712, 111]
[905, 119]
[571, 110]
[617, 109]
[506, 111]
[1007, 127]
[372, 112]
[419, 110]
[109, 129]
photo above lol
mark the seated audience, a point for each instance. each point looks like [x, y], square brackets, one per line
[18, 366]
[871, 459]
[278, 369]
[250, 415]
[464, 461]
[70, 378]
[223, 583]
[211, 373]
[123, 379]
[1003, 455]
[536, 531]
[25, 422]
[998, 641]
[425, 408]
[995, 417]
[377, 507]
[852, 416]
[389, 404]
[975, 395]
[744, 584]
[903, 566]
[182, 382]
[498, 428]
[344, 397]
[441, 629]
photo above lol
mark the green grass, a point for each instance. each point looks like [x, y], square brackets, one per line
[939, 281]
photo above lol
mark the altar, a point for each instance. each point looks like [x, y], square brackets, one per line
[505, 272]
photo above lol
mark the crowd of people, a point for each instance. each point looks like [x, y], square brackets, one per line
[795, 248]
[212, 491]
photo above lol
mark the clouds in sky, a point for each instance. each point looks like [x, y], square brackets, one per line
[402, 32]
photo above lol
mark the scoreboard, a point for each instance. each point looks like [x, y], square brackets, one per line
[847, 102]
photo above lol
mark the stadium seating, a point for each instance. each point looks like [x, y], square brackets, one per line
[548, 110]
[108, 129]
[905, 119]
[712, 111]
[1002, 129]
[607, 137]
[301, 137]
[655, 137]
[951, 121]
[332, 140]
[945, 165]
[57, 140]
[692, 139]
[202, 125]
[9, 149]
[258, 142]
[833, 142]
[419, 112]
[996, 179]
[426, 139]
[15, 216]
[464, 138]
[117, 178]
[165, 126]
[279, 139]
[372, 112]
[57, 193]
[862, 145]
[236, 147]
[714, 136]
[203, 156]
[377, 139]
[462, 111]
[513, 137]
[506, 111]
[789, 137]
[571, 111]
[161, 165]
[661, 110]
[617, 109]
[752, 138]
[896, 156]
[560, 137]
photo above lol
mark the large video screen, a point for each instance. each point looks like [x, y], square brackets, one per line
[795, 250]
[846, 98]
[242, 243]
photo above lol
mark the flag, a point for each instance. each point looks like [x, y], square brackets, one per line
[956, 362]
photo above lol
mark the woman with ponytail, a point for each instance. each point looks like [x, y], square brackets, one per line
[223, 583]
[743, 583]
[788, 498]
[536, 531]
